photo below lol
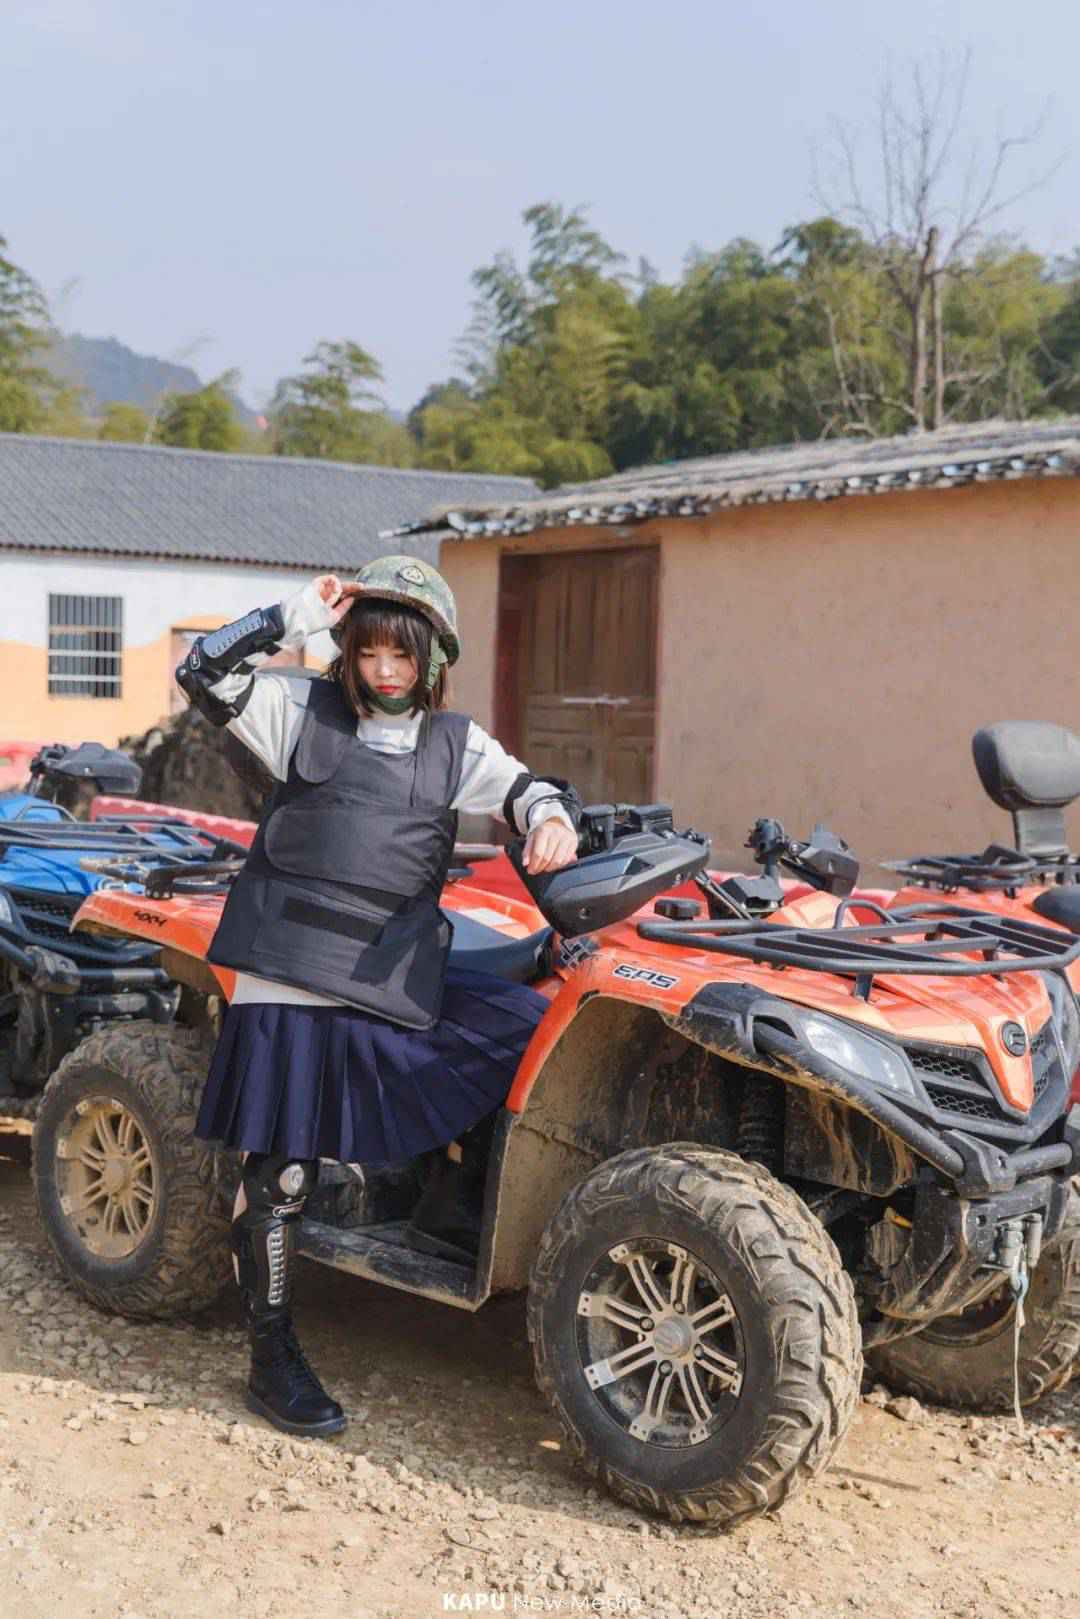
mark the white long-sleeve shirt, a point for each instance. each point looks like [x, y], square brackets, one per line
[270, 722]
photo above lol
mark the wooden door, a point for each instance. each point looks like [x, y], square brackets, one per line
[577, 668]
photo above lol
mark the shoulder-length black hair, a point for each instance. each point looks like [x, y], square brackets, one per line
[385, 623]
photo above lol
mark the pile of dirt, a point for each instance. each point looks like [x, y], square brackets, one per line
[195, 765]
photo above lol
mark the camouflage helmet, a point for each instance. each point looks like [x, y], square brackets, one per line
[414, 584]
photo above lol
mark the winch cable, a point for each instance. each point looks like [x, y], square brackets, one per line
[1019, 1281]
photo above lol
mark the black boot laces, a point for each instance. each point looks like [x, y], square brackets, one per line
[281, 1348]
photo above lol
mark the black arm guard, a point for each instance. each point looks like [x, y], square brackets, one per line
[562, 792]
[225, 652]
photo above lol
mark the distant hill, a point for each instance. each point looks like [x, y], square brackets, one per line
[110, 371]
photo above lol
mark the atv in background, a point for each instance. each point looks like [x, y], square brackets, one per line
[1032, 770]
[56, 987]
[752, 1135]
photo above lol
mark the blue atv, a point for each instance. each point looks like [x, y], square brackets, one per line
[97, 1044]
[56, 986]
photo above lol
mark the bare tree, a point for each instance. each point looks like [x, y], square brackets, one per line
[926, 202]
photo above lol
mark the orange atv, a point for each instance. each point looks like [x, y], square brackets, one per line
[731, 1158]
[1032, 770]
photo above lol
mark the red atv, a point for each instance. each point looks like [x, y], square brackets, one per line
[751, 1136]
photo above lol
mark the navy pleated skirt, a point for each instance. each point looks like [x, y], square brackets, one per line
[334, 1082]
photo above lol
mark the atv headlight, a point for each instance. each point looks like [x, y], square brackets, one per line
[849, 1048]
[8, 918]
[1066, 1017]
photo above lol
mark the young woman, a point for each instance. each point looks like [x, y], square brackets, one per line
[349, 1035]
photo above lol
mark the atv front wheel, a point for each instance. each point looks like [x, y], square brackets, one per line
[966, 1360]
[136, 1208]
[695, 1331]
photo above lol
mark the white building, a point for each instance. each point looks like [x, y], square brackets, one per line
[113, 555]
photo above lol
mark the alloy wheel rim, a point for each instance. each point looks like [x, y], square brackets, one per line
[107, 1177]
[660, 1343]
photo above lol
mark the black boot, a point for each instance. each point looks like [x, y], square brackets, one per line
[282, 1386]
[448, 1218]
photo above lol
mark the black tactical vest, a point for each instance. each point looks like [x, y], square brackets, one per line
[340, 892]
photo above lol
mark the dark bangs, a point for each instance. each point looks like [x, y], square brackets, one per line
[384, 623]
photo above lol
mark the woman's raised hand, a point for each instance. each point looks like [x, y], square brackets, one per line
[331, 590]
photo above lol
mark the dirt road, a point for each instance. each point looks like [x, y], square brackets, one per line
[135, 1485]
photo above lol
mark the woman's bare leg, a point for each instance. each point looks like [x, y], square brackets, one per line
[239, 1206]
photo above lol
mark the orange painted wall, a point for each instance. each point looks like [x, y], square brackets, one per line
[159, 597]
[146, 682]
[147, 686]
[832, 661]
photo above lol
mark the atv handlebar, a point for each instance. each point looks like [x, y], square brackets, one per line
[602, 824]
[824, 860]
[109, 769]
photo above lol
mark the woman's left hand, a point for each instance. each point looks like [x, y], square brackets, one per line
[550, 846]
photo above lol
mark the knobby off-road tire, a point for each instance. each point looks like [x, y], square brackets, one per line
[180, 1262]
[794, 1318]
[967, 1361]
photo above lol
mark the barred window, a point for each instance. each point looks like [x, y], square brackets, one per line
[86, 636]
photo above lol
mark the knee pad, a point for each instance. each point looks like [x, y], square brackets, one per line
[278, 1186]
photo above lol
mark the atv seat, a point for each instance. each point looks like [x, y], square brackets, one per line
[1060, 904]
[1032, 770]
[483, 949]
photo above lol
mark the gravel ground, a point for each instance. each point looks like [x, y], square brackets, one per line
[135, 1485]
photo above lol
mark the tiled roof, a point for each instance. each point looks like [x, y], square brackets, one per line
[824, 470]
[147, 501]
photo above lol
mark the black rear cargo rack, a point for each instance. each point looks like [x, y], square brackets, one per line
[996, 870]
[926, 939]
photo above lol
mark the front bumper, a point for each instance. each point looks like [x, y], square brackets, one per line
[951, 1258]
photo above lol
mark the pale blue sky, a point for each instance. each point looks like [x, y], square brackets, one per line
[274, 173]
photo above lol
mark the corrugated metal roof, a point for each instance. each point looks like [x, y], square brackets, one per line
[148, 501]
[824, 470]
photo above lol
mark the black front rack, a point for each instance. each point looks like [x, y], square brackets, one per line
[996, 870]
[937, 940]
